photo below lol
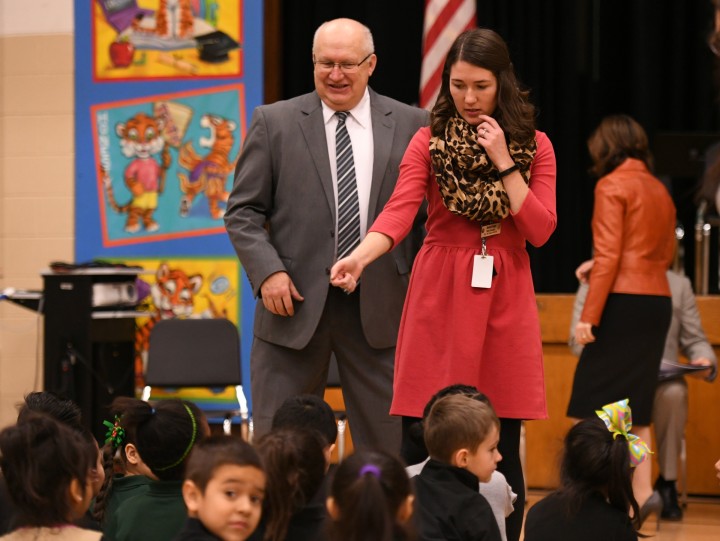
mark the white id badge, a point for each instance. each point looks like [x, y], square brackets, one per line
[482, 271]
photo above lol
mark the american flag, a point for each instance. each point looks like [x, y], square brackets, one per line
[445, 20]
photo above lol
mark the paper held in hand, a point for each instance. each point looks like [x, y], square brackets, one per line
[672, 369]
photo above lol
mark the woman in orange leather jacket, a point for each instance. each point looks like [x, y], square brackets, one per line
[628, 309]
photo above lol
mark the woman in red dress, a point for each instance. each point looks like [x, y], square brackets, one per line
[470, 314]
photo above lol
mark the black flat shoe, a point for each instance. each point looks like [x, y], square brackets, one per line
[668, 492]
[652, 506]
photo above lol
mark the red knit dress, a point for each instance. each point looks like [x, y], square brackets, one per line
[451, 332]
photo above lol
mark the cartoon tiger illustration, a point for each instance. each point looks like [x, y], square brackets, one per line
[174, 19]
[208, 174]
[140, 139]
[173, 295]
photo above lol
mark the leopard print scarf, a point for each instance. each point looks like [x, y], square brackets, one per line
[469, 183]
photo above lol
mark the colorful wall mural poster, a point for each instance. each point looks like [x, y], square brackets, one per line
[165, 163]
[162, 92]
[157, 39]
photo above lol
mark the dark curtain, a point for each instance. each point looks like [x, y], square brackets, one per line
[582, 60]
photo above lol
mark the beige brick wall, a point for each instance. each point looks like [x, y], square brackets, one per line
[36, 193]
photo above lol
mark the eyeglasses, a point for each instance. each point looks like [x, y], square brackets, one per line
[345, 67]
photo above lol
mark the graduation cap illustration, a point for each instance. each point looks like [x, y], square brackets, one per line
[215, 46]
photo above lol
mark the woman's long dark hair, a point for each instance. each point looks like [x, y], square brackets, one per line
[369, 488]
[617, 138]
[485, 48]
[595, 461]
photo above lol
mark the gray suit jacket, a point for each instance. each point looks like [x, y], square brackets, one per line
[281, 215]
[685, 333]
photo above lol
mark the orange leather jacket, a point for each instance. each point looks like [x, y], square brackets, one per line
[633, 228]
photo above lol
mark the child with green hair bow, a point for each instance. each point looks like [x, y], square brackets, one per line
[595, 500]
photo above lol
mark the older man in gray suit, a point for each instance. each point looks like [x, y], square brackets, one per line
[288, 218]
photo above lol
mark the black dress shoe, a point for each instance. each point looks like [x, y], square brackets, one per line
[671, 508]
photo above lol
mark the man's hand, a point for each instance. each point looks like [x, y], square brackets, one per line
[278, 292]
[701, 374]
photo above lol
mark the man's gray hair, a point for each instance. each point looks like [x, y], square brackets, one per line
[368, 45]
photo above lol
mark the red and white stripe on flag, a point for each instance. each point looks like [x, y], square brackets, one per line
[445, 20]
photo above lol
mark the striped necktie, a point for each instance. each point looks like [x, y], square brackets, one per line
[348, 236]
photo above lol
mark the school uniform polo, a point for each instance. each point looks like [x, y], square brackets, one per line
[124, 487]
[158, 514]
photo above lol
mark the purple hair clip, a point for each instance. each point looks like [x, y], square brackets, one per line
[369, 468]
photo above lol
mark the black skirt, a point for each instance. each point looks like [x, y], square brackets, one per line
[624, 360]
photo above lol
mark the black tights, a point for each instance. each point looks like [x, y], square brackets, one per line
[413, 451]
[412, 446]
[511, 467]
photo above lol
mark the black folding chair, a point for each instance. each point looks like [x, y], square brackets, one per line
[198, 353]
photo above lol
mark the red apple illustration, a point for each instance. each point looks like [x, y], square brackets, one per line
[122, 53]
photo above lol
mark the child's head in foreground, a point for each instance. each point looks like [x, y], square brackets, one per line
[596, 460]
[294, 461]
[416, 435]
[164, 434]
[457, 388]
[58, 407]
[463, 432]
[370, 499]
[120, 450]
[120, 445]
[66, 412]
[311, 412]
[224, 487]
[48, 470]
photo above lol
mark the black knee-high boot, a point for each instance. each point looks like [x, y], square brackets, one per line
[412, 447]
[511, 467]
